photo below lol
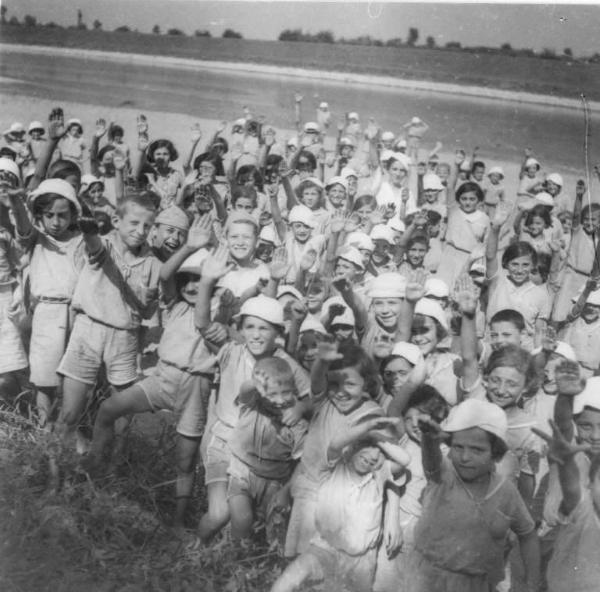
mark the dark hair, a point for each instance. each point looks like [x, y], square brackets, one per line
[312, 161]
[589, 209]
[45, 201]
[219, 141]
[539, 211]
[246, 172]
[364, 200]
[142, 199]
[273, 160]
[61, 169]
[508, 315]
[241, 191]
[478, 164]
[162, 143]
[519, 249]
[544, 262]
[594, 467]
[417, 238]
[182, 278]
[430, 400]
[390, 161]
[467, 187]
[208, 157]
[355, 356]
[104, 150]
[433, 217]
[418, 324]
[115, 130]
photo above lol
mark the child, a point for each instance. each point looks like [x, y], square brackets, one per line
[170, 232]
[180, 382]
[468, 509]
[92, 195]
[415, 129]
[467, 229]
[433, 257]
[310, 194]
[263, 449]
[416, 248]
[337, 191]
[531, 178]
[349, 509]
[116, 289]
[537, 221]
[493, 189]
[56, 256]
[72, 146]
[507, 327]
[432, 186]
[343, 383]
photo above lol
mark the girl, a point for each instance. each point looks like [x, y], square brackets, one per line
[394, 190]
[201, 192]
[468, 509]
[72, 146]
[56, 256]
[362, 209]
[337, 191]
[467, 230]
[310, 194]
[493, 189]
[344, 382]
[37, 142]
[511, 286]
[92, 195]
[531, 178]
[537, 220]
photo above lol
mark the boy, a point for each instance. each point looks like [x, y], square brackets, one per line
[171, 228]
[507, 326]
[117, 288]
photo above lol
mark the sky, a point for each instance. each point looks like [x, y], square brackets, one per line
[535, 26]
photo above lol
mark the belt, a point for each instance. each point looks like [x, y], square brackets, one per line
[586, 273]
[458, 248]
[53, 299]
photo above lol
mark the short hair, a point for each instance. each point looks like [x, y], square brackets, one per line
[589, 209]
[508, 315]
[519, 249]
[243, 191]
[513, 356]
[312, 161]
[308, 183]
[247, 172]
[417, 238]
[61, 169]
[469, 186]
[272, 369]
[104, 150]
[540, 211]
[364, 200]
[162, 143]
[433, 217]
[142, 199]
[478, 164]
[429, 399]
[356, 357]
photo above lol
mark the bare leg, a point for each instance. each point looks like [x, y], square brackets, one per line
[305, 567]
[9, 387]
[217, 515]
[74, 401]
[242, 516]
[186, 455]
[45, 399]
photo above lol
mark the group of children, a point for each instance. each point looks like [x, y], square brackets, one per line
[370, 347]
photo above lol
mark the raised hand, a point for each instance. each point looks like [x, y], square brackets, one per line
[377, 215]
[308, 259]
[195, 133]
[466, 295]
[88, 225]
[338, 222]
[501, 214]
[351, 223]
[200, 232]
[372, 131]
[341, 284]
[298, 311]
[549, 339]
[279, 265]
[560, 450]
[142, 125]
[298, 97]
[568, 379]
[56, 124]
[100, 128]
[335, 310]
[415, 286]
[327, 351]
[459, 157]
[431, 428]
[218, 265]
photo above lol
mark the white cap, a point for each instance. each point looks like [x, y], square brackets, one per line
[562, 349]
[265, 308]
[474, 413]
[10, 166]
[387, 285]
[87, 180]
[241, 122]
[402, 143]
[348, 172]
[339, 180]
[346, 318]
[74, 121]
[346, 141]
[432, 181]
[311, 127]
[353, 115]
[193, 264]
[396, 224]
[302, 214]
[311, 324]
[402, 159]
[35, 125]
[351, 254]
[555, 178]
[59, 187]
[437, 288]
[544, 198]
[15, 128]
[323, 105]
[409, 351]
[382, 232]
[388, 136]
[589, 397]
[293, 141]
[289, 289]
[532, 162]
[431, 308]
[415, 120]
[268, 234]
[496, 170]
[386, 155]
[360, 240]
[314, 180]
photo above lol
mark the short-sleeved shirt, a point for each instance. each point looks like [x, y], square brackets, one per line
[268, 448]
[236, 364]
[241, 279]
[575, 563]
[584, 338]
[462, 534]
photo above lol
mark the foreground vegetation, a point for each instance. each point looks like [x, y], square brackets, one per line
[506, 71]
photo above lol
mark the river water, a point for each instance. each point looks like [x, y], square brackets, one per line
[501, 129]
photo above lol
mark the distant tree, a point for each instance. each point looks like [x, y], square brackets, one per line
[123, 29]
[506, 47]
[395, 42]
[79, 19]
[413, 36]
[29, 21]
[453, 45]
[52, 25]
[176, 32]
[548, 54]
[231, 34]
[568, 52]
[430, 42]
[290, 35]
[202, 33]
[156, 30]
[14, 21]
[324, 37]
[97, 25]
[3, 11]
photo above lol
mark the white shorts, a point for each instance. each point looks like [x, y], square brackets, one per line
[12, 351]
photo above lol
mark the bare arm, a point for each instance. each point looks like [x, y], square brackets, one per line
[467, 302]
[195, 139]
[430, 450]
[56, 131]
[491, 252]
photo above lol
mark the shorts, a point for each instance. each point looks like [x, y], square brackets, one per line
[216, 455]
[93, 344]
[182, 393]
[49, 335]
[242, 481]
[12, 352]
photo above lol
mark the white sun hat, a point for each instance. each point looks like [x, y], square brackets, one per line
[474, 413]
[589, 397]
[431, 308]
[265, 308]
[60, 187]
[387, 285]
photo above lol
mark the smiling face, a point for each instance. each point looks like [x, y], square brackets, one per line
[387, 311]
[519, 269]
[279, 395]
[259, 336]
[588, 429]
[95, 192]
[505, 386]
[397, 173]
[241, 241]
[337, 196]
[301, 232]
[416, 254]
[471, 454]
[591, 221]
[468, 202]
[345, 389]
[382, 346]
[134, 226]
[504, 333]
[364, 213]
[57, 218]
[396, 374]
[424, 335]
[307, 349]
[169, 238]
[367, 460]
[536, 226]
[189, 289]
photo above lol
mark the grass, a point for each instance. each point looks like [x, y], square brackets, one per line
[560, 78]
